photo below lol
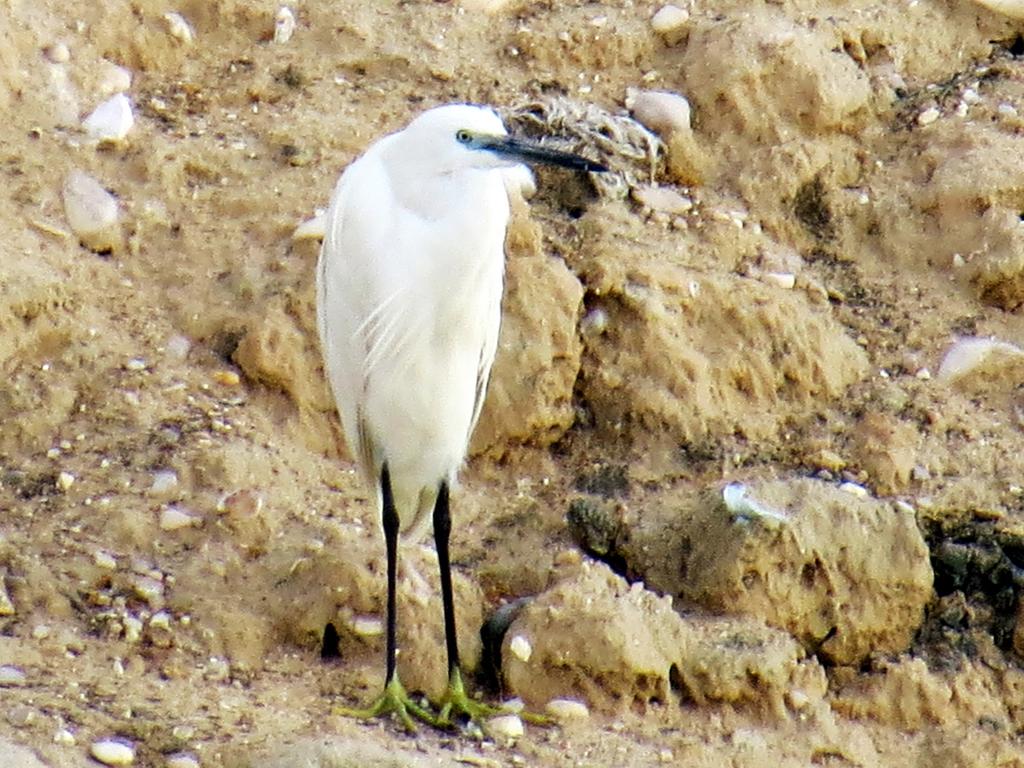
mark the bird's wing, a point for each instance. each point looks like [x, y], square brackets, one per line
[355, 304]
[488, 347]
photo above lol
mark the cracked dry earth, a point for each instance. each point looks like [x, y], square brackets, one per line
[748, 489]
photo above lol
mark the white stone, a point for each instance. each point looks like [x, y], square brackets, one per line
[104, 560]
[182, 760]
[11, 675]
[175, 518]
[853, 488]
[92, 212]
[367, 626]
[65, 480]
[505, 727]
[178, 347]
[179, 28]
[520, 648]
[968, 354]
[662, 199]
[663, 112]
[929, 116]
[58, 53]
[670, 22]
[164, 481]
[110, 121]
[110, 752]
[782, 279]
[113, 78]
[567, 709]
[284, 25]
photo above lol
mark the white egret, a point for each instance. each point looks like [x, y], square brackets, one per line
[409, 286]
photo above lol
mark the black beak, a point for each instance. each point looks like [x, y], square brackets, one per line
[534, 153]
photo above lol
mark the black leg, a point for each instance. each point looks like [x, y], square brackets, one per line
[390, 524]
[442, 530]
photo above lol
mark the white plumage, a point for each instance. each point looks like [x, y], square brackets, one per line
[409, 300]
[409, 306]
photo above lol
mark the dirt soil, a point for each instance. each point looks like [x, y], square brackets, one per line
[770, 302]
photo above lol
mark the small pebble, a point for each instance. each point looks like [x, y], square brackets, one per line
[111, 121]
[520, 648]
[367, 626]
[785, 280]
[104, 560]
[92, 212]
[929, 116]
[855, 489]
[149, 589]
[595, 322]
[227, 378]
[670, 22]
[182, 760]
[311, 229]
[284, 25]
[11, 675]
[20, 717]
[65, 480]
[505, 727]
[662, 199]
[135, 364]
[110, 752]
[178, 347]
[174, 519]
[244, 503]
[663, 112]
[164, 481]
[6, 604]
[64, 737]
[970, 96]
[1006, 110]
[567, 709]
[132, 629]
[179, 28]
[41, 631]
[58, 53]
[113, 78]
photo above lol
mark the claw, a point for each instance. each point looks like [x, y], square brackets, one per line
[394, 701]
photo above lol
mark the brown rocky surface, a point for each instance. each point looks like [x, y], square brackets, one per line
[178, 521]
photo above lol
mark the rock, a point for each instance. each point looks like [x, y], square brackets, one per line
[886, 448]
[667, 114]
[762, 74]
[846, 576]
[17, 756]
[505, 727]
[530, 397]
[11, 675]
[980, 359]
[176, 518]
[696, 355]
[284, 25]
[179, 29]
[595, 639]
[110, 121]
[740, 661]
[111, 752]
[1012, 8]
[564, 710]
[92, 212]
[6, 604]
[670, 22]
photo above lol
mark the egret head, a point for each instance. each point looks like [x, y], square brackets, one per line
[463, 136]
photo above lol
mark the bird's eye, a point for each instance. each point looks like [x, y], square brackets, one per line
[463, 136]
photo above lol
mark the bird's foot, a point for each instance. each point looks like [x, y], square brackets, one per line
[394, 701]
[457, 706]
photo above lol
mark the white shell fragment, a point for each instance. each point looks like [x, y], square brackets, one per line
[284, 25]
[785, 280]
[111, 121]
[505, 727]
[520, 648]
[744, 508]
[92, 212]
[1012, 8]
[179, 28]
[670, 22]
[663, 112]
[111, 752]
[567, 709]
[968, 354]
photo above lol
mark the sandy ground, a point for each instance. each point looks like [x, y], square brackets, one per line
[179, 521]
